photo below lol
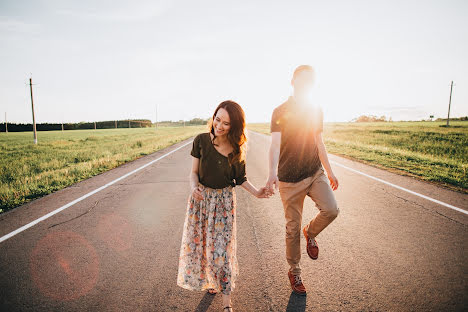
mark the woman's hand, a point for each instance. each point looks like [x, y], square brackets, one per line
[196, 192]
[263, 192]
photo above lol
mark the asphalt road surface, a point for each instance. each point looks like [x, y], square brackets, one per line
[117, 250]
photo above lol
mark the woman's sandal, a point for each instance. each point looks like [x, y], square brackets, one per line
[228, 307]
[212, 291]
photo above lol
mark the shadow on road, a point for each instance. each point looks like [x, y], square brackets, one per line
[205, 303]
[296, 303]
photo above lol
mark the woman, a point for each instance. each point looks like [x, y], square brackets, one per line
[207, 258]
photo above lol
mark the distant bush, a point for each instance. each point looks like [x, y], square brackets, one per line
[370, 118]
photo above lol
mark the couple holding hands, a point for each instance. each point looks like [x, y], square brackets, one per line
[297, 159]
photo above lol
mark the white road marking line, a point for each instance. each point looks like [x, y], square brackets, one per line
[50, 214]
[402, 188]
[394, 185]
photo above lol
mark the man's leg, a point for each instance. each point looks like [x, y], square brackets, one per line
[322, 194]
[292, 196]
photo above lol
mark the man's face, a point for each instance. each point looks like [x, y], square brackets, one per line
[303, 83]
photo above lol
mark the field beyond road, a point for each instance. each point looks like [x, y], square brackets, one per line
[60, 159]
[420, 149]
[425, 150]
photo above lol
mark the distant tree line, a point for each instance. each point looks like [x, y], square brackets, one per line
[191, 122]
[451, 118]
[371, 118]
[132, 123]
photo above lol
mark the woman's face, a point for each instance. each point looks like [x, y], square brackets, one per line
[221, 122]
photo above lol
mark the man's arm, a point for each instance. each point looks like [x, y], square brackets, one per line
[322, 151]
[273, 161]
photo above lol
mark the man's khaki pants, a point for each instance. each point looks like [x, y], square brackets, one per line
[292, 195]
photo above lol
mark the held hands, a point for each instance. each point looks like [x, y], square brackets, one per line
[268, 189]
[260, 193]
[263, 193]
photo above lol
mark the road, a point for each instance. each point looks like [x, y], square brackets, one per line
[117, 250]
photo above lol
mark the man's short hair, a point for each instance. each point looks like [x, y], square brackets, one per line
[303, 68]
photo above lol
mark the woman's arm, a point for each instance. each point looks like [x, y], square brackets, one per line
[241, 179]
[249, 187]
[194, 179]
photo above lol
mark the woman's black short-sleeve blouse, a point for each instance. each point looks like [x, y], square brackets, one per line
[214, 170]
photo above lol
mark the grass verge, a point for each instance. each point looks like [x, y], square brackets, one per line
[426, 150]
[60, 159]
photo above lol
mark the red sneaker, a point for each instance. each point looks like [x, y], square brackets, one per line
[312, 247]
[296, 284]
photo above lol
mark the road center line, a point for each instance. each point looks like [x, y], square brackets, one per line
[50, 214]
[393, 185]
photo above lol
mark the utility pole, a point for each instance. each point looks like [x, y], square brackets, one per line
[450, 102]
[62, 126]
[94, 125]
[32, 106]
[115, 121]
[6, 124]
[128, 122]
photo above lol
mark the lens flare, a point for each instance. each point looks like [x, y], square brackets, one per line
[64, 265]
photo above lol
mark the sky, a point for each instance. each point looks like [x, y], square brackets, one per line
[94, 60]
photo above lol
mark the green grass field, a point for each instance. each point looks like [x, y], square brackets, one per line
[421, 149]
[60, 159]
[27, 171]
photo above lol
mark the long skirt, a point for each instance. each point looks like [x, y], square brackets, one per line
[208, 251]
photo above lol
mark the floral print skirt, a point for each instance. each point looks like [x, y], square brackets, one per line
[208, 251]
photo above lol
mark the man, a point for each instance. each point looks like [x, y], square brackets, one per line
[297, 153]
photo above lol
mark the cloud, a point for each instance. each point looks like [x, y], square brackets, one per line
[9, 25]
[116, 11]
